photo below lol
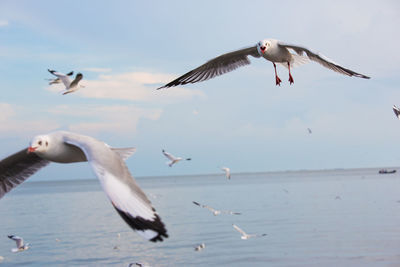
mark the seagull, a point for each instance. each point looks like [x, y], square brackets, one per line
[243, 233]
[108, 165]
[69, 86]
[172, 158]
[20, 243]
[200, 247]
[227, 172]
[309, 130]
[138, 264]
[273, 50]
[396, 111]
[58, 80]
[214, 211]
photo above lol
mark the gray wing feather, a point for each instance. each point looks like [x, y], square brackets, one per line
[75, 82]
[215, 67]
[17, 168]
[324, 61]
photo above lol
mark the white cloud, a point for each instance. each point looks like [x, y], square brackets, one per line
[119, 119]
[102, 70]
[3, 23]
[14, 121]
[134, 86]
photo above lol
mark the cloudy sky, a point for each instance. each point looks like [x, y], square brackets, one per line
[126, 49]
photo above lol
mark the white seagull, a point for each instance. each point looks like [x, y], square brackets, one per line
[227, 172]
[108, 165]
[243, 233]
[270, 49]
[20, 243]
[396, 111]
[172, 158]
[200, 247]
[214, 211]
[58, 80]
[70, 86]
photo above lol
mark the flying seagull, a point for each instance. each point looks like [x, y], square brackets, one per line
[108, 165]
[20, 243]
[138, 264]
[243, 233]
[172, 158]
[200, 247]
[227, 172]
[396, 111]
[309, 130]
[273, 50]
[214, 211]
[70, 86]
[58, 80]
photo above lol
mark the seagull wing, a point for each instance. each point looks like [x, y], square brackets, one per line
[238, 229]
[217, 66]
[17, 168]
[168, 155]
[125, 195]
[396, 111]
[321, 59]
[75, 82]
[64, 78]
[18, 240]
[197, 203]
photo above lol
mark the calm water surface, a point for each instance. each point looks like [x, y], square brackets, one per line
[312, 218]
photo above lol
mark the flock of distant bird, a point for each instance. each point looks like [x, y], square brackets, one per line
[108, 164]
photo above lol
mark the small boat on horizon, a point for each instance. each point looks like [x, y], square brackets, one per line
[385, 171]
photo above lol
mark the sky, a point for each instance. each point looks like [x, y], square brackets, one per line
[126, 49]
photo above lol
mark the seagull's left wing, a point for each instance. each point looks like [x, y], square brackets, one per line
[238, 229]
[64, 78]
[321, 59]
[18, 240]
[168, 155]
[217, 66]
[125, 195]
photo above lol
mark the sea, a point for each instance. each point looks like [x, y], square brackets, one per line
[342, 217]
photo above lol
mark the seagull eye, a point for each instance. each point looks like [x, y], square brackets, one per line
[40, 143]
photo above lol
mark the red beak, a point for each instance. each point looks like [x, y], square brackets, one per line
[31, 149]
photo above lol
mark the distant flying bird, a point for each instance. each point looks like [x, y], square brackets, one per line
[58, 80]
[172, 158]
[70, 86]
[270, 49]
[214, 211]
[227, 172]
[200, 247]
[138, 264]
[108, 165]
[243, 233]
[20, 243]
[396, 111]
[309, 130]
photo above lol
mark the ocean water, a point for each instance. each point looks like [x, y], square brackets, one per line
[311, 218]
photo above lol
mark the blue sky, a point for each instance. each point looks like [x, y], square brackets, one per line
[126, 49]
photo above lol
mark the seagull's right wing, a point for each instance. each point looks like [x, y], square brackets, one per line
[238, 229]
[396, 111]
[217, 66]
[18, 240]
[64, 78]
[168, 155]
[17, 168]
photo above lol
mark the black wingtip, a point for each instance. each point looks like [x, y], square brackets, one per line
[51, 71]
[140, 224]
[70, 73]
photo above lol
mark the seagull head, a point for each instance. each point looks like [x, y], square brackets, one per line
[262, 46]
[39, 144]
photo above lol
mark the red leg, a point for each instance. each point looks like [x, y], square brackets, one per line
[277, 80]
[290, 75]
